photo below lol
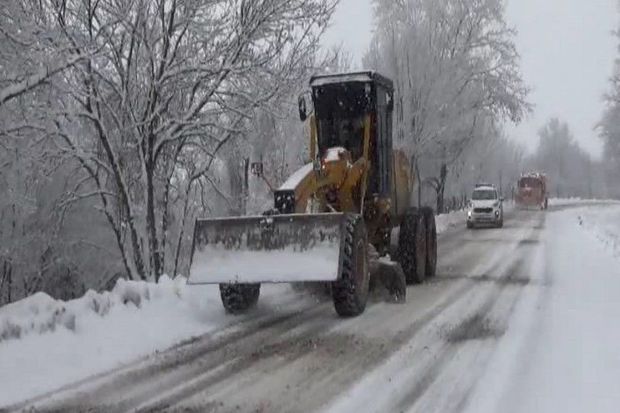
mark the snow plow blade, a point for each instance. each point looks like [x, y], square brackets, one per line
[267, 249]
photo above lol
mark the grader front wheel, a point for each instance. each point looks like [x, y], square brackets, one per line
[238, 298]
[350, 292]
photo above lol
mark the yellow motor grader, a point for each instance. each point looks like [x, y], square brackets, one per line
[352, 198]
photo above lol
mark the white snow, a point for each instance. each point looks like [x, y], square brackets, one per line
[217, 265]
[342, 77]
[560, 353]
[49, 343]
[604, 225]
[333, 154]
[449, 220]
[293, 181]
[575, 201]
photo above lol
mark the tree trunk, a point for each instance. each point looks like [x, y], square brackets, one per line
[441, 188]
[6, 278]
[246, 186]
[182, 229]
[150, 221]
[9, 284]
[164, 227]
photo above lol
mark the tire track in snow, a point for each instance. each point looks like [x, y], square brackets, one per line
[409, 373]
[397, 340]
[475, 326]
[473, 342]
[173, 365]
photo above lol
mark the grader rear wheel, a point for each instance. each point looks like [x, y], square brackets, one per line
[412, 246]
[431, 241]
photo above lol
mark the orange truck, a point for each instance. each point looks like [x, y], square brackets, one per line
[532, 191]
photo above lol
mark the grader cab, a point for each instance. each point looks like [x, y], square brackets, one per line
[352, 198]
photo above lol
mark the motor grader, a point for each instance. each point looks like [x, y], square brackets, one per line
[350, 203]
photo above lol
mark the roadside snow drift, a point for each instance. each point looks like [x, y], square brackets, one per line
[40, 313]
[604, 224]
[449, 220]
[47, 343]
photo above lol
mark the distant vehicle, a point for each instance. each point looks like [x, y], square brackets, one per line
[532, 191]
[486, 207]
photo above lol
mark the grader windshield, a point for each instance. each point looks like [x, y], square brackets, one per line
[340, 110]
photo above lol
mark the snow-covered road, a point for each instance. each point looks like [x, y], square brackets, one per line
[518, 319]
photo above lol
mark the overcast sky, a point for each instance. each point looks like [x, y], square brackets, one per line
[567, 54]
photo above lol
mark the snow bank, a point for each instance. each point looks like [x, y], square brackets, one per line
[48, 343]
[603, 224]
[575, 201]
[449, 220]
[40, 313]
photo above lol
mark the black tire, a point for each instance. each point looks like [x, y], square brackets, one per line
[412, 246]
[239, 298]
[350, 291]
[431, 241]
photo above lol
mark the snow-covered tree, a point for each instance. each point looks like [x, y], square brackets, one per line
[569, 168]
[456, 74]
[120, 123]
[609, 128]
[171, 82]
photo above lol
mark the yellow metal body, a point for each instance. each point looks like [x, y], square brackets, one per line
[339, 183]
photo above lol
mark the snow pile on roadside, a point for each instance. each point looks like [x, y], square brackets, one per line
[48, 343]
[449, 220]
[40, 313]
[604, 225]
[578, 201]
